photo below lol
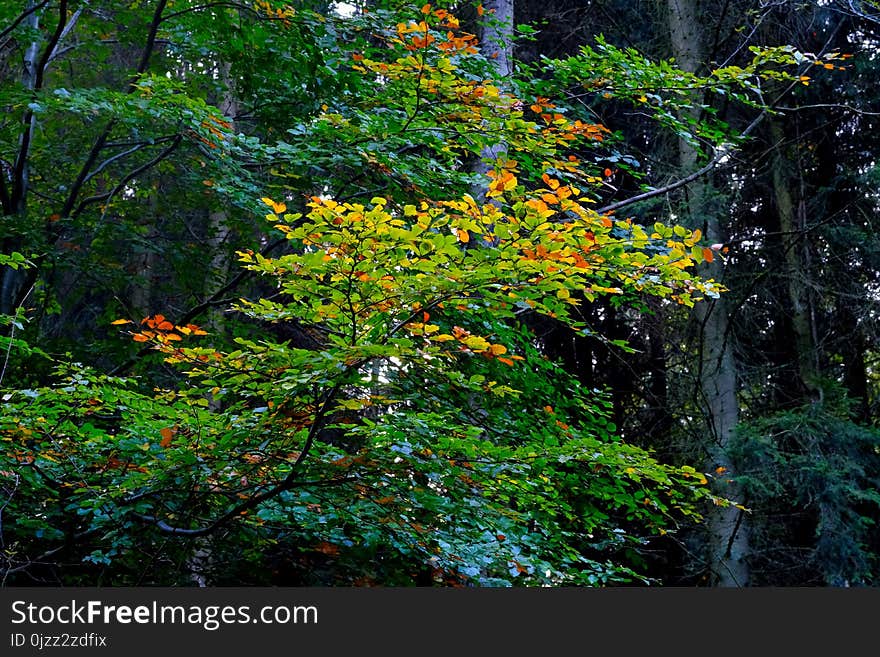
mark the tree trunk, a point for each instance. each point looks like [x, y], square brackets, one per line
[728, 532]
[218, 220]
[495, 36]
[12, 281]
[791, 216]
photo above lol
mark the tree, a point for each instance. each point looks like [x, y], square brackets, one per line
[728, 540]
[375, 410]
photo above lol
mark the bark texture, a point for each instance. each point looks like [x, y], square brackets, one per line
[728, 535]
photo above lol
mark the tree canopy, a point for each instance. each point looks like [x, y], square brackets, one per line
[316, 294]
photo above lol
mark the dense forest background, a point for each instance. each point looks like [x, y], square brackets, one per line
[386, 294]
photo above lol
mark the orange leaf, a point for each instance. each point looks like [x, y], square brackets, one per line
[118, 322]
[463, 236]
[426, 9]
[167, 435]
[480, 10]
[608, 173]
[327, 548]
[552, 183]
[506, 361]
[708, 255]
[277, 208]
[139, 337]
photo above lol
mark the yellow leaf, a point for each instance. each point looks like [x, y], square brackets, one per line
[476, 343]
[276, 207]
[118, 322]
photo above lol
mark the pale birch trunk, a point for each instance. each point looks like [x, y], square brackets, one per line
[728, 529]
[495, 36]
[219, 231]
[12, 280]
[218, 220]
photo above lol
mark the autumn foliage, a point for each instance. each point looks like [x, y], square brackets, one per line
[377, 410]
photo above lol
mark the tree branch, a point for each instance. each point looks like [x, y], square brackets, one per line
[231, 5]
[149, 46]
[131, 175]
[288, 483]
[22, 16]
[196, 310]
[102, 138]
[112, 159]
[19, 173]
[708, 168]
